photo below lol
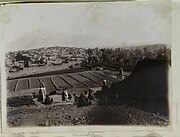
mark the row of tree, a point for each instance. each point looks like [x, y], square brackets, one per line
[125, 57]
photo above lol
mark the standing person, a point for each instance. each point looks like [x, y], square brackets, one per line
[40, 96]
[42, 93]
[121, 75]
[105, 90]
[63, 96]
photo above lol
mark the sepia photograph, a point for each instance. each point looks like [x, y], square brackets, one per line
[91, 63]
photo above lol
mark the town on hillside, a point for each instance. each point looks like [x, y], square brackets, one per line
[125, 58]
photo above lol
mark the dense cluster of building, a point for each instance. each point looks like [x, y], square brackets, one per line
[125, 58]
[43, 56]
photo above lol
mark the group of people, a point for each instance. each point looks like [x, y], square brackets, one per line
[84, 99]
[107, 95]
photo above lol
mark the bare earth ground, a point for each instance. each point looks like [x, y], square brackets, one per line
[58, 115]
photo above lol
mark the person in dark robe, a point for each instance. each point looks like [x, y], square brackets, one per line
[48, 100]
[86, 93]
[40, 96]
[75, 98]
[69, 97]
[91, 95]
[83, 101]
[105, 90]
[63, 96]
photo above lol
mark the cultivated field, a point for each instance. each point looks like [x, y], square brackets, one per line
[22, 84]
[11, 85]
[34, 83]
[57, 115]
[24, 110]
[87, 79]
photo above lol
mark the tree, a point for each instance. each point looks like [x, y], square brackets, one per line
[89, 52]
[19, 57]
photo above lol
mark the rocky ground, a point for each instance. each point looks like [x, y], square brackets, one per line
[57, 115]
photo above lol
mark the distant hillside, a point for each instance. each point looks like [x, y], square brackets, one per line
[45, 38]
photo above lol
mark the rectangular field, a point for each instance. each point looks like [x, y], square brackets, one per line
[92, 77]
[106, 77]
[60, 83]
[72, 81]
[34, 83]
[11, 85]
[48, 84]
[22, 84]
[86, 81]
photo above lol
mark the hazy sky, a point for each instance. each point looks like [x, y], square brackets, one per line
[87, 24]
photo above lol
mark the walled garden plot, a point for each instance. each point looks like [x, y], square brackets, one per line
[85, 81]
[92, 77]
[48, 84]
[106, 77]
[72, 81]
[11, 85]
[78, 80]
[34, 83]
[22, 84]
[60, 83]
